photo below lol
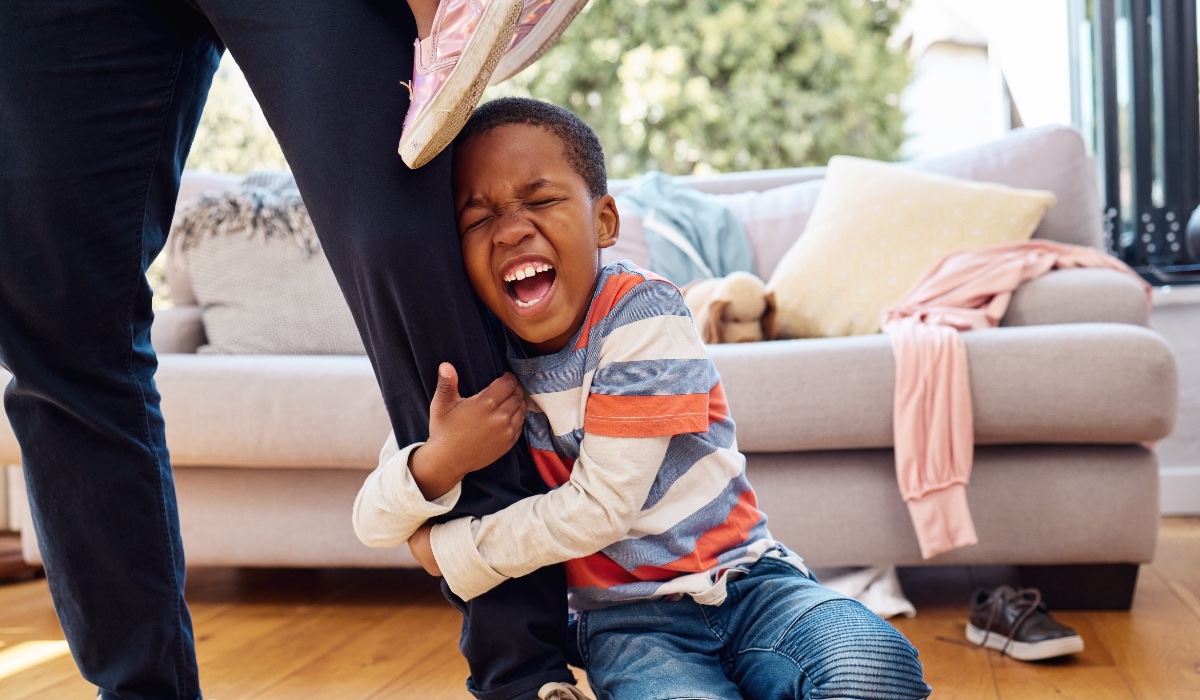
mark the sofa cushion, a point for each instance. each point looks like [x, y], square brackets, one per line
[193, 185]
[1032, 504]
[1081, 295]
[875, 229]
[258, 273]
[776, 204]
[1101, 383]
[1052, 158]
[272, 411]
[1070, 383]
[178, 329]
[773, 219]
[631, 244]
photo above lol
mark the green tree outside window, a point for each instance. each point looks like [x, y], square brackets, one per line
[682, 86]
[697, 86]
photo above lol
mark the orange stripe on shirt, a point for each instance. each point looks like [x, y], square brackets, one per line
[555, 470]
[729, 534]
[615, 289]
[718, 407]
[645, 416]
[596, 570]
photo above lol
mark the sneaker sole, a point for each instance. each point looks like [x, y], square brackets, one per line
[432, 130]
[543, 38]
[1025, 651]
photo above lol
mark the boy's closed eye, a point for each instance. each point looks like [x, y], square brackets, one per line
[475, 223]
[476, 220]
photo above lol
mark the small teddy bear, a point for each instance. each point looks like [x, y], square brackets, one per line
[736, 308]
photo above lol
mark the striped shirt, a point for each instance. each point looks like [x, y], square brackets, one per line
[638, 369]
[629, 425]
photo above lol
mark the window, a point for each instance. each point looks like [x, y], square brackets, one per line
[1137, 101]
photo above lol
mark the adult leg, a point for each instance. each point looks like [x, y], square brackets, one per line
[327, 75]
[791, 638]
[98, 104]
[654, 650]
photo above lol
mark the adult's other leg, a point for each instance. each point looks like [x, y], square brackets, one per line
[328, 75]
[99, 101]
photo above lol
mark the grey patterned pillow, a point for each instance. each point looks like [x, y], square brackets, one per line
[263, 285]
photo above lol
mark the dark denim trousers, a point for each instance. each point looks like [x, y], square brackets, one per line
[99, 101]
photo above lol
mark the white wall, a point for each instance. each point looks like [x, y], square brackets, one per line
[1177, 317]
[951, 102]
[1030, 39]
[966, 53]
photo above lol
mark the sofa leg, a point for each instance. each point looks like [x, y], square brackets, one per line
[1082, 586]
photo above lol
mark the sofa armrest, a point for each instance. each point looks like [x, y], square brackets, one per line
[1079, 296]
[177, 330]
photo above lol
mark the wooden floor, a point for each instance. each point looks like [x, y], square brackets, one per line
[346, 635]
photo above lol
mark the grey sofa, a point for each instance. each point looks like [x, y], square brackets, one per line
[270, 450]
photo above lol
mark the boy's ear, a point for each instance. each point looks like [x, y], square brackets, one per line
[608, 221]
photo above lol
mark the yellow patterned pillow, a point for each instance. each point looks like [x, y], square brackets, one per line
[874, 230]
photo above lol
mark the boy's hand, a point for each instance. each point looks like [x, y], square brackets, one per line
[466, 434]
[422, 550]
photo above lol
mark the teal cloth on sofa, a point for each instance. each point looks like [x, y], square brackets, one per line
[689, 234]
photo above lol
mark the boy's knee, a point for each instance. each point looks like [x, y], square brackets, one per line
[848, 651]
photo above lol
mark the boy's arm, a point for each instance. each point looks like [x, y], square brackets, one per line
[390, 506]
[652, 382]
[609, 483]
[422, 480]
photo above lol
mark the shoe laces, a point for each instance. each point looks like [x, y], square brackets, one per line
[1027, 600]
[408, 84]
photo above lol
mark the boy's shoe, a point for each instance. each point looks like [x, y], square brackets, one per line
[561, 691]
[451, 68]
[1015, 622]
[542, 23]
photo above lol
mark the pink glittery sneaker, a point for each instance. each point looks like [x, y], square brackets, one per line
[542, 23]
[451, 68]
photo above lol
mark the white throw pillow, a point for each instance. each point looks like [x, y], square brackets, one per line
[258, 274]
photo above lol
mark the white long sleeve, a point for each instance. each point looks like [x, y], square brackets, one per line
[609, 484]
[390, 507]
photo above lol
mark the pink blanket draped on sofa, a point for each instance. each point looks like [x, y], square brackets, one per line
[933, 423]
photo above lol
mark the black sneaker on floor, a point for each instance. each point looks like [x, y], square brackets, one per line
[1015, 622]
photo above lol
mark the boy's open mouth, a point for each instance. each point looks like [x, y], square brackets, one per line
[529, 282]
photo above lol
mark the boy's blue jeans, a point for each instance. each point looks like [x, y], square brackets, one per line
[99, 101]
[778, 636]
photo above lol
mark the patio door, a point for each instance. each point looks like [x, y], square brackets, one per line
[1136, 99]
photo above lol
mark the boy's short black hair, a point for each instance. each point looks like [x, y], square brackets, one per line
[580, 143]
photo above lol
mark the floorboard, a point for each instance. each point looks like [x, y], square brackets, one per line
[359, 634]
